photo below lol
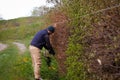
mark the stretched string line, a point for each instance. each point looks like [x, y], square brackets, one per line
[102, 10]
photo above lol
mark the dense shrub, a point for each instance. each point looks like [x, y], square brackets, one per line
[83, 15]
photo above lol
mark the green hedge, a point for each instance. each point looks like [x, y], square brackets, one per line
[83, 14]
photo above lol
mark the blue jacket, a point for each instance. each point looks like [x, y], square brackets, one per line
[41, 39]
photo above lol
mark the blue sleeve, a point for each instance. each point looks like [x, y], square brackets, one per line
[48, 45]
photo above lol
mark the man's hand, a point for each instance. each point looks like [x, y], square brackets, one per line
[52, 52]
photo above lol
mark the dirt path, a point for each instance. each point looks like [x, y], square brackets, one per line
[20, 46]
[3, 46]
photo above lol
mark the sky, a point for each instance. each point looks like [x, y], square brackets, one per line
[10, 9]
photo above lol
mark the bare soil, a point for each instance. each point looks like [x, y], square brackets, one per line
[60, 39]
[20, 46]
[3, 46]
[104, 44]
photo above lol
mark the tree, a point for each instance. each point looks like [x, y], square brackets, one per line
[53, 1]
[39, 11]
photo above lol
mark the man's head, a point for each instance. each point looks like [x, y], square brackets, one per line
[51, 29]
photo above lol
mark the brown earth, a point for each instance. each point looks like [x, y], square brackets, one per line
[60, 39]
[104, 48]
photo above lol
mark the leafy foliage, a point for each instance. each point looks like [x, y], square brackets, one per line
[83, 14]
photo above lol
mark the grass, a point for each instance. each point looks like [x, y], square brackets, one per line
[20, 32]
[15, 66]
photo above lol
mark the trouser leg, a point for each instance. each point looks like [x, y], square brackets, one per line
[36, 61]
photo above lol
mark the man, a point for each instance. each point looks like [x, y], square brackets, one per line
[40, 40]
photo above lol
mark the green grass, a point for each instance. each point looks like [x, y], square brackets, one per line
[19, 32]
[15, 66]
[49, 73]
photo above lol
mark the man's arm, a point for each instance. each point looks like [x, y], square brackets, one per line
[48, 45]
